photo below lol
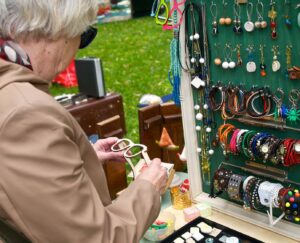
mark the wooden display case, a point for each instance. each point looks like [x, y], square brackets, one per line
[197, 184]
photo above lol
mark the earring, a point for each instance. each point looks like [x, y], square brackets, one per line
[225, 63]
[288, 53]
[239, 58]
[260, 23]
[262, 65]
[217, 59]
[251, 65]
[224, 20]
[249, 26]
[237, 19]
[287, 6]
[214, 13]
[272, 14]
[275, 64]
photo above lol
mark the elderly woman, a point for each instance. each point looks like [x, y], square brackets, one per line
[52, 184]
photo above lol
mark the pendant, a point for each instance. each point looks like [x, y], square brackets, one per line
[257, 24]
[222, 21]
[251, 67]
[217, 61]
[275, 65]
[232, 65]
[215, 28]
[288, 22]
[264, 24]
[225, 65]
[228, 21]
[197, 82]
[249, 26]
[238, 29]
[263, 72]
[274, 34]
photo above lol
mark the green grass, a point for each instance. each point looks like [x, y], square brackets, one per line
[135, 56]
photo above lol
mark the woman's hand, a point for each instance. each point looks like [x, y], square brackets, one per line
[155, 174]
[103, 150]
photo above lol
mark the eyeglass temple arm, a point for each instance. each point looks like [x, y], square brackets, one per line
[146, 157]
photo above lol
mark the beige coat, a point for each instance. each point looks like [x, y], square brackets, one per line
[52, 186]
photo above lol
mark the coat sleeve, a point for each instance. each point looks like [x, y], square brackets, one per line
[47, 193]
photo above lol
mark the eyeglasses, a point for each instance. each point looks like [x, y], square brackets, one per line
[160, 11]
[87, 37]
[128, 147]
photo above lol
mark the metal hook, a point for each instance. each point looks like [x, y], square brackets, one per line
[294, 97]
[278, 96]
[213, 10]
[249, 10]
[260, 10]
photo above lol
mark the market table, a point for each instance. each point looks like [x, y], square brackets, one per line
[226, 220]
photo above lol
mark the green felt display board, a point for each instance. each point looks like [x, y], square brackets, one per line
[239, 75]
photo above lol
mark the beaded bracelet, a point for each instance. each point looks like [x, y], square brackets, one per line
[220, 181]
[248, 193]
[246, 139]
[255, 201]
[292, 205]
[268, 191]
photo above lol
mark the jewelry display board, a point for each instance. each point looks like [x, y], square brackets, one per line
[249, 56]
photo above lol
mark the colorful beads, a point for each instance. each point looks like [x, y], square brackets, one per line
[287, 204]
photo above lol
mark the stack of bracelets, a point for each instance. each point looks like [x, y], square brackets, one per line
[259, 145]
[256, 193]
[256, 102]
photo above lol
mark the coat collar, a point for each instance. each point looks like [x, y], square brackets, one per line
[14, 73]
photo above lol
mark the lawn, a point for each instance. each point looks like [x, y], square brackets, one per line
[135, 56]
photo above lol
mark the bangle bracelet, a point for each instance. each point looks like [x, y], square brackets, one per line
[234, 187]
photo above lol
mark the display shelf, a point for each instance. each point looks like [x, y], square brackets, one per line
[190, 97]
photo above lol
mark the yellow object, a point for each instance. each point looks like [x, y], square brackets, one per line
[180, 200]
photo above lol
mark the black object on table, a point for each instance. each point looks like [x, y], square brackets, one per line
[227, 232]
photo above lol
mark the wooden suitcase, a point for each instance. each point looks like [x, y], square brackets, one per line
[152, 119]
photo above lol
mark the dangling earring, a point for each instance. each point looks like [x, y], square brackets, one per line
[262, 65]
[275, 64]
[224, 20]
[217, 59]
[214, 13]
[288, 21]
[288, 53]
[225, 63]
[250, 66]
[237, 19]
[260, 23]
[239, 61]
[298, 17]
[249, 26]
[272, 14]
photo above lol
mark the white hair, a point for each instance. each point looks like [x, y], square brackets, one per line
[46, 18]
